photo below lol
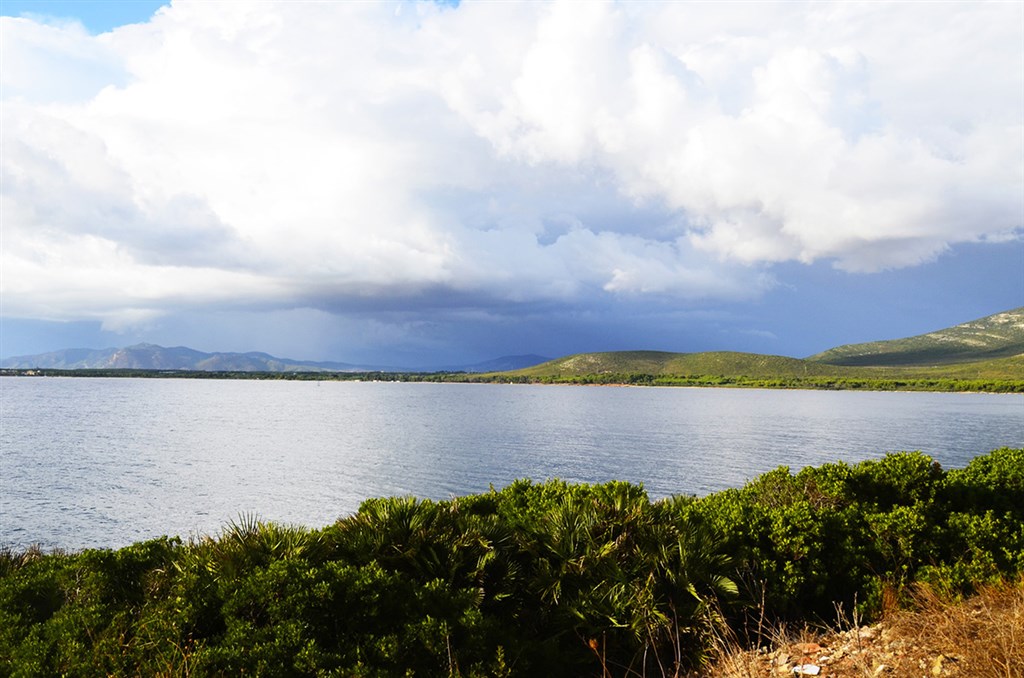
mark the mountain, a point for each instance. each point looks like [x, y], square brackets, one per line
[996, 336]
[153, 357]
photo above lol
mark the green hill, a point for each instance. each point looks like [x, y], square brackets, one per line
[996, 336]
[757, 366]
[661, 363]
[988, 350]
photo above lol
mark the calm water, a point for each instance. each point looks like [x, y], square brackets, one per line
[105, 462]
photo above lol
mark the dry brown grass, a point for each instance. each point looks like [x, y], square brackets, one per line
[984, 634]
[936, 636]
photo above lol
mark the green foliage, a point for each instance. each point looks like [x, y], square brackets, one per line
[984, 534]
[548, 578]
[78, 614]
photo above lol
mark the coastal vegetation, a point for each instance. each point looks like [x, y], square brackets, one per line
[548, 578]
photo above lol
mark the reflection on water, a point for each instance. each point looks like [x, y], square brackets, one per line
[104, 462]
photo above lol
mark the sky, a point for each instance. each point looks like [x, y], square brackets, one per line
[422, 184]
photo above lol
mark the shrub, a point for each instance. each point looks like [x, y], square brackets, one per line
[535, 578]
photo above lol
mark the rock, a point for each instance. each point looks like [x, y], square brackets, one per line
[806, 669]
[808, 648]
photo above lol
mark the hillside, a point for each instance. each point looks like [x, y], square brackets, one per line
[996, 336]
[665, 363]
[749, 368]
[990, 348]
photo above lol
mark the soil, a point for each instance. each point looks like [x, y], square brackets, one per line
[982, 636]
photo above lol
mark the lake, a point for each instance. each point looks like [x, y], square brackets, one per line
[87, 462]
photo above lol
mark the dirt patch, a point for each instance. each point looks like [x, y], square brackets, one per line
[981, 636]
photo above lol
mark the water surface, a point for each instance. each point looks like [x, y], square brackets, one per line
[105, 462]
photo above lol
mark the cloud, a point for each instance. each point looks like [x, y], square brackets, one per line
[809, 165]
[413, 155]
[55, 62]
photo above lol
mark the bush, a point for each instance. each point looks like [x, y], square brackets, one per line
[535, 578]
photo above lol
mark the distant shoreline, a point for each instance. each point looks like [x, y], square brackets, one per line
[782, 382]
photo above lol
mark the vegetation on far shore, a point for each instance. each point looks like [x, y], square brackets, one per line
[998, 377]
[536, 578]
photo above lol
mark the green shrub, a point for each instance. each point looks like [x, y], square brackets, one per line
[535, 578]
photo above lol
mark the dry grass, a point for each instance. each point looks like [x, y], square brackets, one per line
[984, 634]
[981, 636]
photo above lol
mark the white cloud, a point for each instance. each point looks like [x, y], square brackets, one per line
[55, 63]
[292, 154]
[811, 162]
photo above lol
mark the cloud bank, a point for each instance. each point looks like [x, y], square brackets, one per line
[340, 156]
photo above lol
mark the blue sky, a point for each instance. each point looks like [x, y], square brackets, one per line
[420, 184]
[97, 16]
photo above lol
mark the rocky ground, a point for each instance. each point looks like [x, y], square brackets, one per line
[864, 651]
[982, 636]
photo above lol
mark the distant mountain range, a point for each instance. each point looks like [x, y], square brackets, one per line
[153, 357]
[990, 347]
